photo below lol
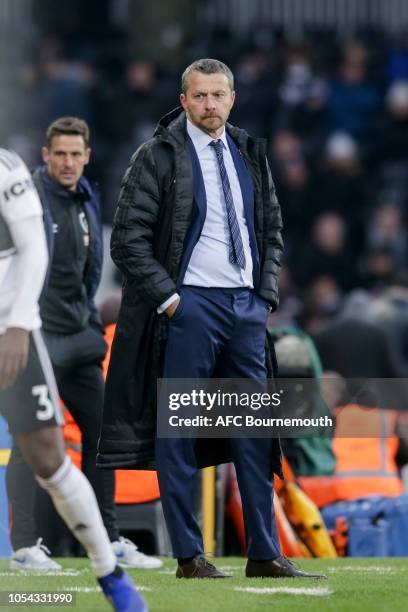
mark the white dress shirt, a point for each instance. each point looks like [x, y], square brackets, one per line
[209, 265]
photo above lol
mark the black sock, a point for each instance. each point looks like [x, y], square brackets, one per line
[184, 560]
[117, 572]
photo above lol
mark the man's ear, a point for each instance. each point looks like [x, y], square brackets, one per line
[88, 152]
[183, 100]
[45, 154]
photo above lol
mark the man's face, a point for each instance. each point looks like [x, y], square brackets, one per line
[208, 101]
[66, 158]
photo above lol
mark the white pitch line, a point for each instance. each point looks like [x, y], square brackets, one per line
[363, 568]
[97, 589]
[315, 592]
[36, 573]
[82, 589]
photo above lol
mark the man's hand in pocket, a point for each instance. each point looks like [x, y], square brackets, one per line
[172, 308]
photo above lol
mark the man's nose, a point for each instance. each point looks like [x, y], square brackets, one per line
[210, 103]
[69, 161]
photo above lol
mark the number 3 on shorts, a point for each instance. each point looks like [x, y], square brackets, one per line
[46, 411]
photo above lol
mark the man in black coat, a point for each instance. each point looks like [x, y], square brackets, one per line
[197, 235]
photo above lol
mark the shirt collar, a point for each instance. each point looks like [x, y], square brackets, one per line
[200, 139]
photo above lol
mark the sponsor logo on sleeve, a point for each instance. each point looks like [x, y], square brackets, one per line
[17, 189]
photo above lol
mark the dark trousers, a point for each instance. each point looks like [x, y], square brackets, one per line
[76, 360]
[217, 332]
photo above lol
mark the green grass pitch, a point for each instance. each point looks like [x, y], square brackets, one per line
[366, 585]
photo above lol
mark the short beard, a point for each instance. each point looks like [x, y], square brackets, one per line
[210, 131]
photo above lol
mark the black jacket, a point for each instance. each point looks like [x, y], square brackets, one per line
[47, 188]
[154, 213]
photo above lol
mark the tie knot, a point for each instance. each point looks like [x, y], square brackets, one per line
[217, 145]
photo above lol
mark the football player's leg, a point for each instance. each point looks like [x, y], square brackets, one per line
[76, 503]
[71, 493]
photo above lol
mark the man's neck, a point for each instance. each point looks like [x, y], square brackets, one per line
[72, 188]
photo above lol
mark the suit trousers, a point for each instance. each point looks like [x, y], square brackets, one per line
[221, 333]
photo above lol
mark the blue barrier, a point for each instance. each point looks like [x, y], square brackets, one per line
[5, 443]
[378, 526]
[396, 510]
[367, 539]
[368, 508]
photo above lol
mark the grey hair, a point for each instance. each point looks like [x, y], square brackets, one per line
[206, 66]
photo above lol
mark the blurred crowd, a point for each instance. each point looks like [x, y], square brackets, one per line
[335, 114]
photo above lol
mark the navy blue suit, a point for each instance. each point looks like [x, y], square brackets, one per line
[218, 332]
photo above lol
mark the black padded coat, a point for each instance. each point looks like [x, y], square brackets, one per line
[151, 222]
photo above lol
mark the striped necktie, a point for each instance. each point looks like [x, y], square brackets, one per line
[236, 248]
